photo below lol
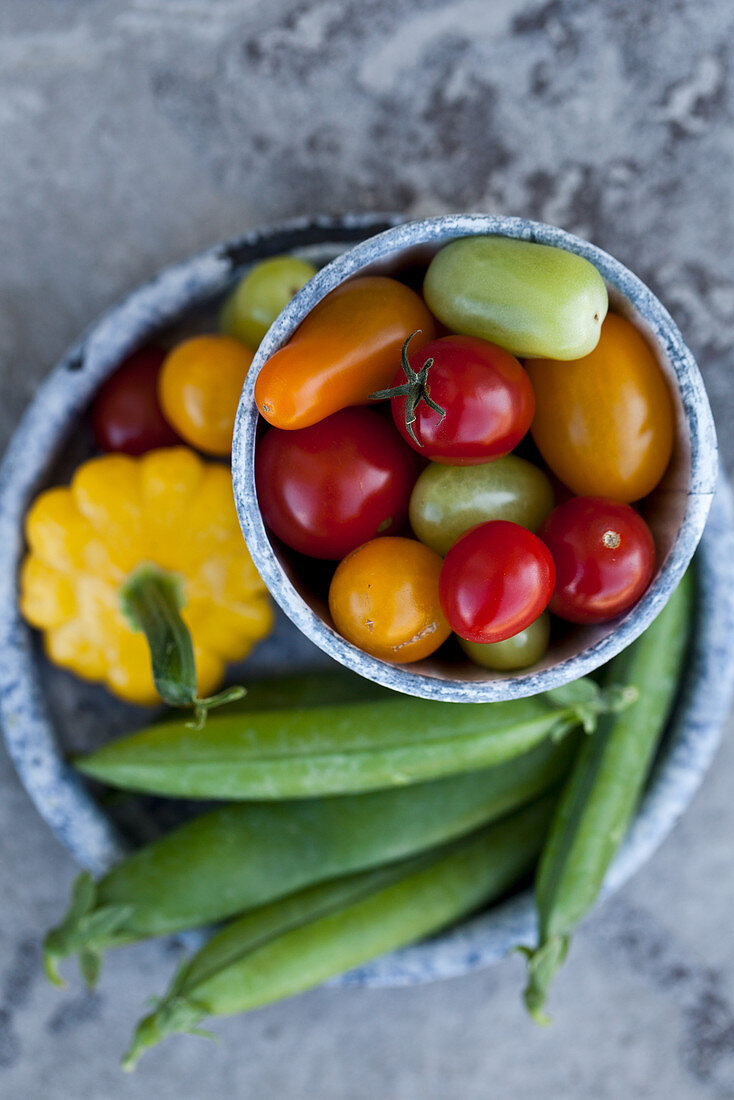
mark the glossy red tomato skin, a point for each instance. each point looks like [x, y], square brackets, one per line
[487, 395]
[605, 558]
[126, 415]
[495, 581]
[326, 489]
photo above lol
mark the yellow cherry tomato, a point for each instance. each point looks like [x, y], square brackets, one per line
[604, 423]
[199, 387]
[384, 599]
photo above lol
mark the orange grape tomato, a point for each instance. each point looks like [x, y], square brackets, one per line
[384, 599]
[605, 423]
[346, 348]
[199, 388]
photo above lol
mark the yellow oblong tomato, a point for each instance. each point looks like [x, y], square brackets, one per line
[605, 423]
[199, 389]
[345, 349]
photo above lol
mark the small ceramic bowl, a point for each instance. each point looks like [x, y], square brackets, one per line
[676, 511]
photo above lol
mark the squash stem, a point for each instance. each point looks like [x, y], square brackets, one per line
[151, 599]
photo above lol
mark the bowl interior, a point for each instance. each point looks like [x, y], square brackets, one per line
[304, 584]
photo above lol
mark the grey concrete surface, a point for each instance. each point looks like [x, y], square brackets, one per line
[135, 131]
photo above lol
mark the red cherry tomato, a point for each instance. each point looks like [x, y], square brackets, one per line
[485, 394]
[495, 581]
[126, 415]
[605, 558]
[326, 489]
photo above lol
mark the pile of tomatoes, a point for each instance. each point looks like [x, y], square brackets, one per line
[389, 452]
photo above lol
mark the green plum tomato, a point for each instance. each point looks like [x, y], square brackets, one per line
[518, 651]
[528, 298]
[260, 295]
[447, 501]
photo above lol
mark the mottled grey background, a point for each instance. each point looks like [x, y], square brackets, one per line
[136, 131]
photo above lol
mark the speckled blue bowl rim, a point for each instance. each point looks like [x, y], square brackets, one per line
[385, 247]
[64, 801]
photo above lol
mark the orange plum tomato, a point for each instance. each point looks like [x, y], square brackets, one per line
[605, 423]
[347, 347]
[384, 599]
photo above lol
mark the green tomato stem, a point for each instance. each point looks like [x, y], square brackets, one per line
[151, 599]
[414, 390]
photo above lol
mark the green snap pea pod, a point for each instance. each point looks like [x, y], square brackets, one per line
[340, 749]
[603, 790]
[246, 854]
[320, 687]
[299, 942]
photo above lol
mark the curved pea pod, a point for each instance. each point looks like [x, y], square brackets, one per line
[531, 299]
[339, 749]
[317, 687]
[246, 854]
[603, 790]
[299, 942]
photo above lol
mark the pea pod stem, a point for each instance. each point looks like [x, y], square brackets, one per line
[151, 599]
[341, 749]
[85, 924]
[603, 790]
[292, 945]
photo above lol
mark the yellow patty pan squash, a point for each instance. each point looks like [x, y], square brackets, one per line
[128, 544]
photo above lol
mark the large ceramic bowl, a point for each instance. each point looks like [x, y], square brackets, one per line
[676, 511]
[46, 713]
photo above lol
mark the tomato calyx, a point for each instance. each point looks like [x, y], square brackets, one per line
[414, 390]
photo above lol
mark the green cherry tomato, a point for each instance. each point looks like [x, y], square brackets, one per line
[519, 651]
[260, 295]
[520, 295]
[449, 500]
